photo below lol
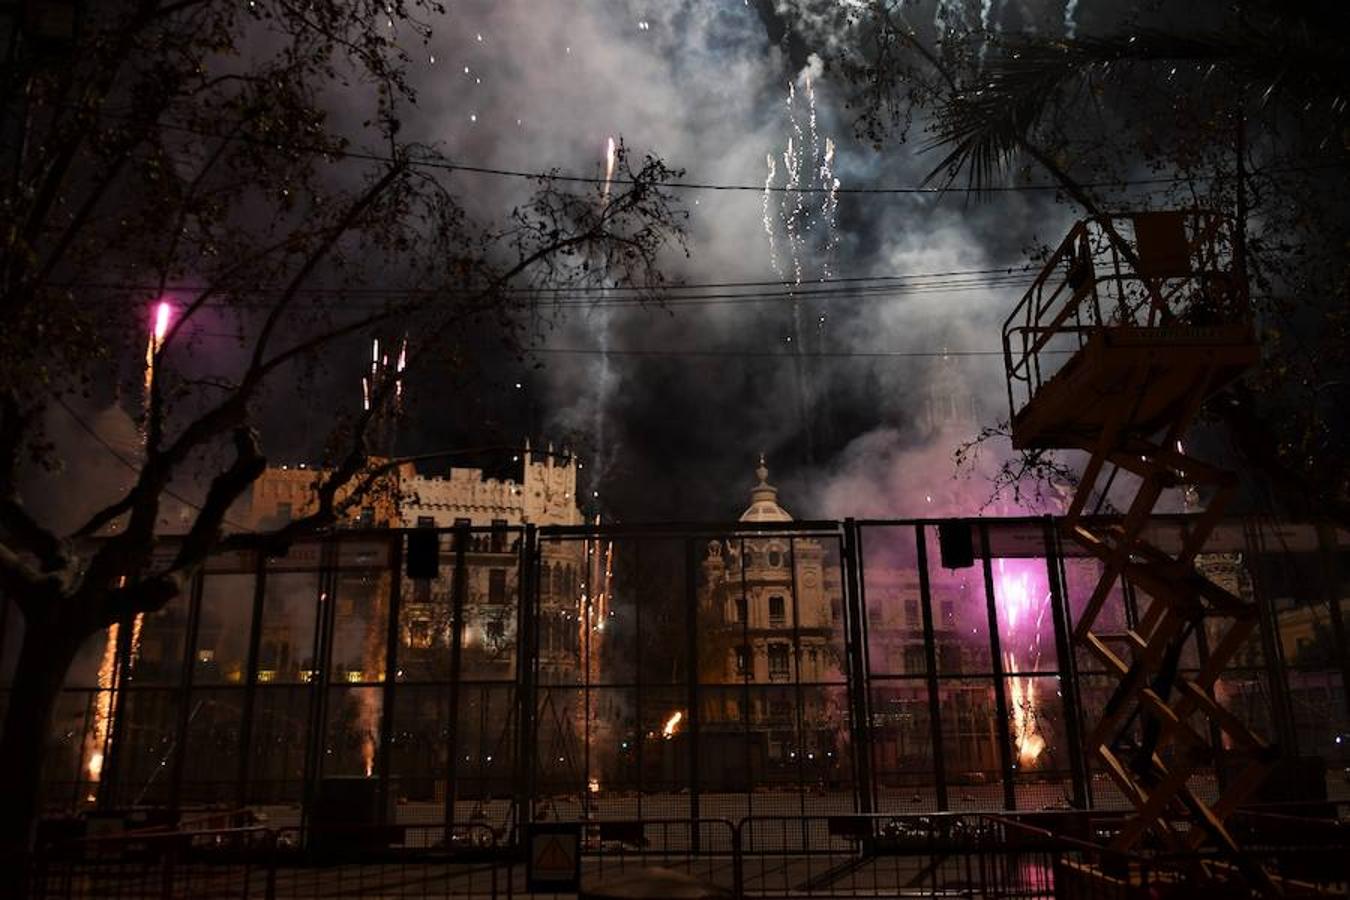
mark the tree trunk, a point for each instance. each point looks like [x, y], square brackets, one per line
[44, 658]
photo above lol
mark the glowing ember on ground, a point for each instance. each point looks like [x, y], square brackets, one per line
[672, 724]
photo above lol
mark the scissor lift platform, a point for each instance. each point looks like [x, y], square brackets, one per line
[1154, 370]
[1131, 325]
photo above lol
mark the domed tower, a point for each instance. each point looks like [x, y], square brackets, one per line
[768, 616]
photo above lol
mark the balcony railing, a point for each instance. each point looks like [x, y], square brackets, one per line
[1132, 270]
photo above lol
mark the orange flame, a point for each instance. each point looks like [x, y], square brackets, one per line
[672, 724]
[1025, 732]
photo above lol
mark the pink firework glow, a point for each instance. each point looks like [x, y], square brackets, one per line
[159, 329]
[1022, 602]
[162, 314]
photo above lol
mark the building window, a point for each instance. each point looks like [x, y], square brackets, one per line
[740, 613]
[498, 535]
[496, 631]
[743, 666]
[912, 612]
[426, 521]
[778, 662]
[948, 612]
[496, 585]
[775, 558]
[419, 634]
[558, 581]
[777, 610]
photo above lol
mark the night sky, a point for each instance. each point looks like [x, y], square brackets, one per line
[682, 415]
[670, 423]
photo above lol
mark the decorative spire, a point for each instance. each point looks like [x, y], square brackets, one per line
[764, 499]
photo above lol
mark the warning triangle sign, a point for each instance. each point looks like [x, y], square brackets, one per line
[553, 856]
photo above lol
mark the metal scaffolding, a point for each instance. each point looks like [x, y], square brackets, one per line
[1151, 312]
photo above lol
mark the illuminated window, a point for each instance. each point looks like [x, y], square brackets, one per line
[419, 634]
[743, 661]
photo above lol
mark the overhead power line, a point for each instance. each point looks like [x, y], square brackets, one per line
[1019, 270]
[555, 175]
[763, 354]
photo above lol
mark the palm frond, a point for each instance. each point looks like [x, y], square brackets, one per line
[983, 124]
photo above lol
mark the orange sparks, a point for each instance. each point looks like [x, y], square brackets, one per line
[672, 724]
[1025, 732]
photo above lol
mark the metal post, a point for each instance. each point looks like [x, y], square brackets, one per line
[691, 679]
[1068, 671]
[857, 669]
[797, 688]
[179, 746]
[1272, 652]
[527, 670]
[1215, 732]
[251, 678]
[746, 676]
[930, 663]
[390, 672]
[459, 584]
[996, 651]
[319, 681]
[1331, 590]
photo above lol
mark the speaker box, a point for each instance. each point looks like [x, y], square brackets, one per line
[956, 545]
[424, 554]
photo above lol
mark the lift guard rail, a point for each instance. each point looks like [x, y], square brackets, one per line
[1126, 269]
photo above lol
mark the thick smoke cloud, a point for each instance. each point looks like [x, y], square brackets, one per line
[704, 85]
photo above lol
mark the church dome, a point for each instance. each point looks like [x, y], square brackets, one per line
[764, 500]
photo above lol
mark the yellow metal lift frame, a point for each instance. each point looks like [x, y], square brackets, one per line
[1149, 317]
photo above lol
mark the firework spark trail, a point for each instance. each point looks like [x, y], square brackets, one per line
[772, 168]
[828, 209]
[398, 372]
[805, 224]
[1016, 605]
[96, 736]
[158, 331]
[611, 158]
[604, 377]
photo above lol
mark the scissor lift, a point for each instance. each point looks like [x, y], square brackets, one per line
[1133, 322]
